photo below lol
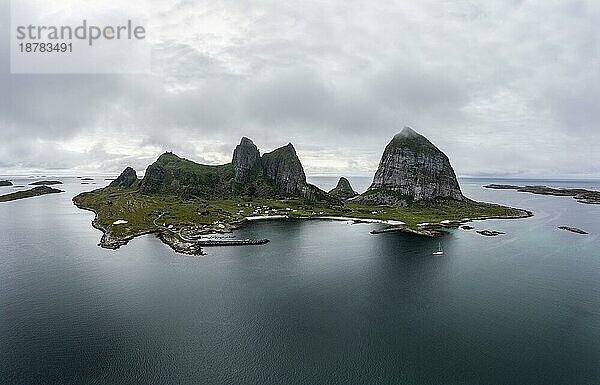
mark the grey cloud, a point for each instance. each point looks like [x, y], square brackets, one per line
[505, 88]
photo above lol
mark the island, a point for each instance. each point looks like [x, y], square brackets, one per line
[34, 192]
[581, 195]
[414, 190]
[5, 183]
[490, 233]
[572, 229]
[45, 183]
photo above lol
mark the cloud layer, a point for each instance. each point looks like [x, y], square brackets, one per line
[504, 88]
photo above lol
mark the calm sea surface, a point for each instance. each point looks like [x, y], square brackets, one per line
[323, 303]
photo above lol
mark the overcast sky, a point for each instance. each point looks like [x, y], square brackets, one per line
[507, 88]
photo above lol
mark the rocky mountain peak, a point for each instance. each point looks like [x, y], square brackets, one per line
[407, 132]
[343, 190]
[278, 173]
[412, 169]
[246, 141]
[245, 158]
[166, 156]
[127, 179]
[283, 167]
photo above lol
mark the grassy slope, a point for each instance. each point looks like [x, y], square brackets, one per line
[194, 179]
[145, 212]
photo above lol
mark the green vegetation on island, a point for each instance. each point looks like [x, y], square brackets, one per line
[189, 218]
[182, 201]
[34, 192]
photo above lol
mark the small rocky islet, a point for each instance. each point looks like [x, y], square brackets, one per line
[579, 194]
[490, 233]
[5, 183]
[573, 230]
[414, 190]
[45, 183]
[34, 192]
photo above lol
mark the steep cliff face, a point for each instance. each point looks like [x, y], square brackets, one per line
[246, 159]
[412, 169]
[282, 167]
[275, 174]
[343, 190]
[127, 179]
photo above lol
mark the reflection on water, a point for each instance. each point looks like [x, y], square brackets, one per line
[323, 302]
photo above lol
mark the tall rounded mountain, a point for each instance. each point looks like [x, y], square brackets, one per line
[412, 169]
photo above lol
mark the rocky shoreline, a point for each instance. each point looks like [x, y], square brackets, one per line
[193, 244]
[408, 230]
[435, 230]
[173, 240]
[109, 241]
[579, 194]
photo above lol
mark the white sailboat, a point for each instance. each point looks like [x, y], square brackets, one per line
[439, 251]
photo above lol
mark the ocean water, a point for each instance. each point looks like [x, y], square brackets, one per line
[323, 303]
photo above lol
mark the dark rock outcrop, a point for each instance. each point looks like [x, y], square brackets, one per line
[34, 192]
[490, 233]
[282, 167]
[4, 183]
[572, 229]
[246, 159]
[276, 174]
[343, 190]
[412, 169]
[45, 183]
[127, 179]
